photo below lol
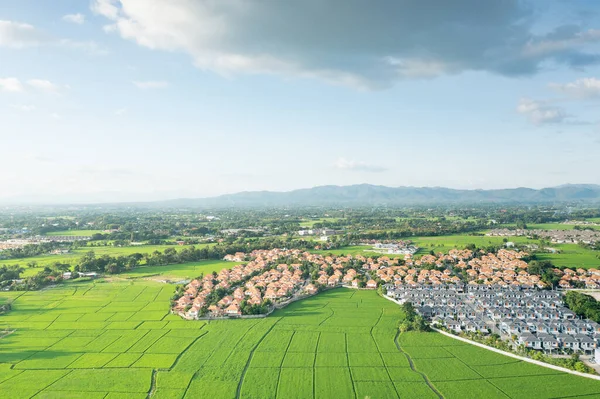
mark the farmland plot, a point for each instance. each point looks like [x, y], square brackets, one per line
[118, 340]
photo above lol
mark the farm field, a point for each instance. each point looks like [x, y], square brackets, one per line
[71, 258]
[180, 271]
[117, 340]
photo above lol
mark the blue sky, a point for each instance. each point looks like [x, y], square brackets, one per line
[146, 99]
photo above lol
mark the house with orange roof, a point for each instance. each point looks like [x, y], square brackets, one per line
[233, 310]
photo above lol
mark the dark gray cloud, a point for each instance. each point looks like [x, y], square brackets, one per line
[354, 42]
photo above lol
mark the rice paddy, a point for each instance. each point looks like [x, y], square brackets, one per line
[118, 340]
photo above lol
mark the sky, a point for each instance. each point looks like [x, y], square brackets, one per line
[134, 100]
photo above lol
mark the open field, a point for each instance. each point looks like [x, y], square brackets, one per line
[117, 340]
[86, 233]
[72, 257]
[181, 271]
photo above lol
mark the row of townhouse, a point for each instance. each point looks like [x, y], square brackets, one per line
[552, 342]
[537, 317]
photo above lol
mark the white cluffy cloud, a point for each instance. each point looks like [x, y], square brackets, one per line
[151, 84]
[78, 18]
[15, 85]
[24, 107]
[540, 112]
[10, 84]
[365, 46]
[43, 85]
[581, 89]
[358, 166]
[18, 35]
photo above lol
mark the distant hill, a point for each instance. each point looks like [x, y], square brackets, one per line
[371, 195]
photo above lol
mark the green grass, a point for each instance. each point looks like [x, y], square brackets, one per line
[339, 344]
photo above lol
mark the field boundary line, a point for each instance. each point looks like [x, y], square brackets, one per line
[412, 367]
[525, 359]
[348, 366]
[152, 384]
[238, 342]
[480, 375]
[54, 382]
[185, 350]
[152, 389]
[328, 317]
[314, 368]
[283, 360]
[239, 387]
[382, 359]
[575, 396]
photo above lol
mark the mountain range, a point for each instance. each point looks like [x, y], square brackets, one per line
[372, 195]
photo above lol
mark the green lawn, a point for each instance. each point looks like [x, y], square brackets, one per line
[118, 340]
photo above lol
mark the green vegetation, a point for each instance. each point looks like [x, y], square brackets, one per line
[412, 321]
[583, 305]
[118, 339]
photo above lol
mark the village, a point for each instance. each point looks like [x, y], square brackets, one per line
[275, 276]
[462, 291]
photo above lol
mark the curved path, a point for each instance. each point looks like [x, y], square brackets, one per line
[412, 367]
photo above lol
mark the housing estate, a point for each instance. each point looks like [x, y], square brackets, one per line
[536, 319]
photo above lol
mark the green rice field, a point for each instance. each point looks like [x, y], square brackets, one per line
[180, 271]
[118, 340]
